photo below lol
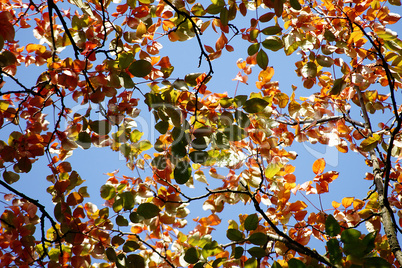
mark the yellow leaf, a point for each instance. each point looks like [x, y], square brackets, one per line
[335, 204]
[370, 143]
[347, 201]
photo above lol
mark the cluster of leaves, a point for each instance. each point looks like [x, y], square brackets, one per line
[97, 55]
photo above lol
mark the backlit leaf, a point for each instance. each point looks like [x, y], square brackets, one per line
[255, 105]
[10, 177]
[192, 255]
[332, 227]
[140, 68]
[234, 235]
[370, 143]
[262, 59]
[148, 210]
[272, 30]
[273, 43]
[251, 222]
[182, 172]
[319, 166]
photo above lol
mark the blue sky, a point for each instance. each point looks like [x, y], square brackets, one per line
[92, 164]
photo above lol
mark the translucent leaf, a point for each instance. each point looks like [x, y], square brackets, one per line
[339, 85]
[272, 30]
[145, 145]
[148, 210]
[370, 143]
[309, 70]
[140, 68]
[125, 59]
[255, 105]
[334, 250]
[252, 49]
[107, 192]
[332, 227]
[190, 79]
[319, 166]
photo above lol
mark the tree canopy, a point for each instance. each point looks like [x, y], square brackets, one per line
[99, 66]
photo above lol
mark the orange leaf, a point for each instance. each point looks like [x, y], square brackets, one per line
[319, 166]
[358, 204]
[298, 205]
[347, 201]
[335, 204]
[211, 220]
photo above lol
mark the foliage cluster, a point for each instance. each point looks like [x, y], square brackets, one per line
[106, 56]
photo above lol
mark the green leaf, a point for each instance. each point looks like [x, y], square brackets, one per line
[234, 133]
[258, 238]
[272, 30]
[251, 263]
[125, 59]
[200, 143]
[324, 61]
[199, 157]
[162, 127]
[276, 265]
[376, 262]
[252, 49]
[339, 85]
[121, 221]
[102, 127]
[140, 68]
[350, 235]
[251, 222]
[111, 254]
[295, 263]
[368, 241]
[148, 210]
[84, 140]
[127, 200]
[262, 59]
[118, 205]
[370, 143]
[309, 70]
[130, 246]
[255, 105]
[182, 172]
[191, 79]
[273, 43]
[238, 252]
[257, 252]
[135, 135]
[107, 191]
[332, 227]
[136, 261]
[334, 250]
[224, 16]
[10, 177]
[295, 4]
[234, 235]
[135, 217]
[145, 145]
[226, 102]
[192, 255]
